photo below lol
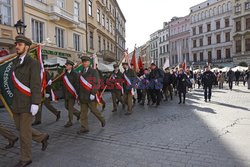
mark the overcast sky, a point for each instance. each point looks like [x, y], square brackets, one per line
[147, 16]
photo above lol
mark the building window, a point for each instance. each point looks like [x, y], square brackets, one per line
[208, 27]
[228, 53]
[187, 57]
[218, 54]
[227, 36]
[209, 40]
[76, 41]
[99, 44]
[91, 40]
[217, 25]
[103, 20]
[107, 25]
[108, 46]
[209, 56]
[104, 44]
[238, 8]
[201, 56]
[59, 37]
[98, 17]
[194, 44]
[61, 3]
[218, 38]
[90, 6]
[76, 9]
[201, 42]
[248, 45]
[227, 22]
[194, 31]
[5, 12]
[195, 57]
[248, 23]
[238, 46]
[247, 5]
[37, 31]
[200, 30]
[238, 26]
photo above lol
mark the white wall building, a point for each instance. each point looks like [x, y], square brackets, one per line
[154, 47]
[163, 45]
[211, 33]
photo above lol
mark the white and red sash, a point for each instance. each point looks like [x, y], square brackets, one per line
[86, 85]
[118, 85]
[53, 96]
[128, 82]
[69, 86]
[20, 86]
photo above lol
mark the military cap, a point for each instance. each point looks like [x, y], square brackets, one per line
[167, 68]
[68, 62]
[85, 58]
[124, 63]
[131, 64]
[23, 39]
[115, 65]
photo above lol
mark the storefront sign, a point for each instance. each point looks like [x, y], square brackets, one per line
[56, 53]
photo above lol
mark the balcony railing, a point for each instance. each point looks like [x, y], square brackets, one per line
[108, 55]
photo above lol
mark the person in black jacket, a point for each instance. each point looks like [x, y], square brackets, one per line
[156, 84]
[182, 85]
[168, 84]
[207, 80]
[230, 76]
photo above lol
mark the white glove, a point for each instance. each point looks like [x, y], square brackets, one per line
[34, 109]
[47, 95]
[50, 82]
[92, 97]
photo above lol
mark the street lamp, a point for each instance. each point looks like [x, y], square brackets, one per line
[20, 27]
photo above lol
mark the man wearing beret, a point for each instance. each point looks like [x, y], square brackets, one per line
[71, 85]
[26, 100]
[89, 85]
[117, 90]
[130, 79]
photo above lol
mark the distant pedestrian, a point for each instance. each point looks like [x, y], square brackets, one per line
[221, 79]
[230, 76]
[237, 77]
[208, 79]
[182, 79]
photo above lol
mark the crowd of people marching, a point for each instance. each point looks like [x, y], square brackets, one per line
[152, 85]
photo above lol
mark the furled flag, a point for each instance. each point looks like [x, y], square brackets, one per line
[140, 63]
[134, 62]
[166, 65]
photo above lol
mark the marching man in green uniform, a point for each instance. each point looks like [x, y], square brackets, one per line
[47, 102]
[130, 77]
[26, 100]
[9, 136]
[89, 85]
[71, 85]
[117, 90]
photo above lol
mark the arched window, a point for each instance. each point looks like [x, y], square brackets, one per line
[219, 10]
[203, 15]
[224, 8]
[199, 16]
[215, 11]
[207, 14]
[211, 12]
[229, 6]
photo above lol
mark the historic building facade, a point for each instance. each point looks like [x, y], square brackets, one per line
[164, 45]
[241, 32]
[211, 33]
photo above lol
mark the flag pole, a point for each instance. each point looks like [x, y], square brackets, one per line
[11, 56]
[6, 106]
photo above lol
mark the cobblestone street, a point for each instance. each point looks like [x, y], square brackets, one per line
[195, 134]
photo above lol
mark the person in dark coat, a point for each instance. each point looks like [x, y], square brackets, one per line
[156, 81]
[230, 76]
[168, 84]
[237, 77]
[207, 80]
[182, 85]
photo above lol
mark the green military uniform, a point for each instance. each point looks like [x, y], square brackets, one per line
[8, 135]
[92, 76]
[128, 97]
[116, 92]
[47, 103]
[28, 73]
[69, 98]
